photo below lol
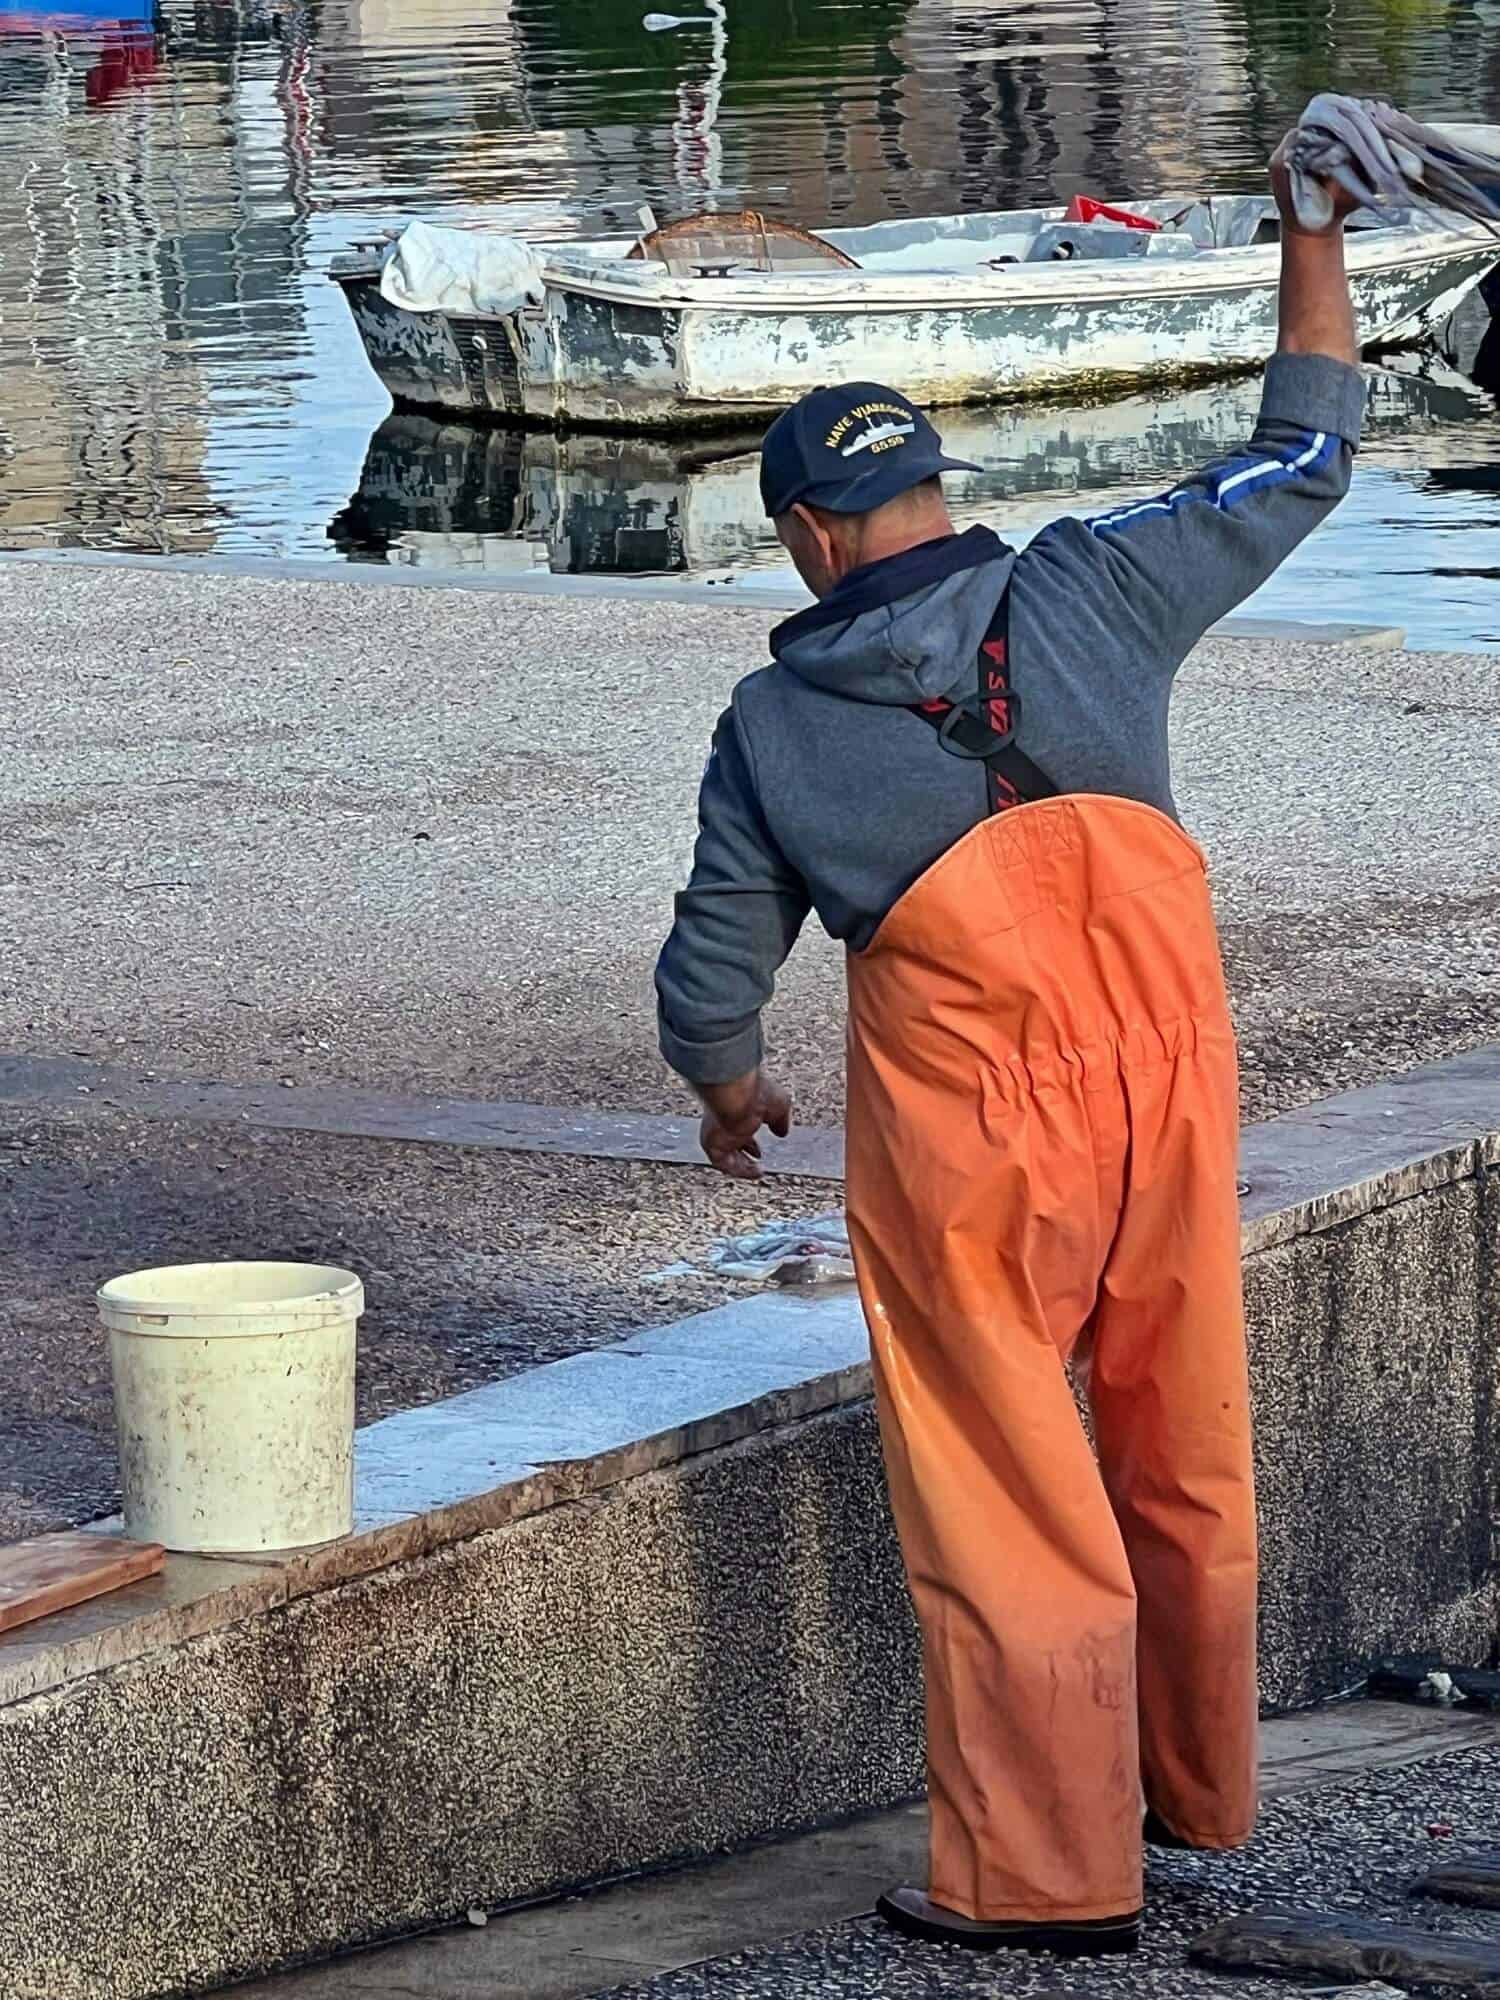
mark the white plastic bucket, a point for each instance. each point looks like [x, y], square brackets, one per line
[234, 1398]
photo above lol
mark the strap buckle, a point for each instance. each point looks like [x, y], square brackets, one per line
[971, 713]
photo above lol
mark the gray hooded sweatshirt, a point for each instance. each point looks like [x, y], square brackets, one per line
[826, 792]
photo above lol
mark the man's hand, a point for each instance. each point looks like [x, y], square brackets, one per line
[1316, 313]
[1344, 203]
[733, 1114]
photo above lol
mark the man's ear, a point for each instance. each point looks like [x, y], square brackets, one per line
[817, 529]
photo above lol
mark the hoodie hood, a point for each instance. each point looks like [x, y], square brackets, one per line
[905, 630]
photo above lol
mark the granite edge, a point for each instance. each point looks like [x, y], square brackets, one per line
[240, 1587]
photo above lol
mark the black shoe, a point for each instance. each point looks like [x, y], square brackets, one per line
[914, 1914]
[1156, 1833]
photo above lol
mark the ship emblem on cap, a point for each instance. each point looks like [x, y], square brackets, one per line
[877, 437]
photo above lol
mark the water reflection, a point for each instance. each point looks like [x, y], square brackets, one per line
[455, 496]
[126, 237]
[1485, 367]
[119, 41]
[176, 374]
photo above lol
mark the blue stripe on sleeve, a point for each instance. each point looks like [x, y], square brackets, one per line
[1244, 477]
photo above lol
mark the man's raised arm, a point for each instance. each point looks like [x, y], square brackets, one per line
[1172, 566]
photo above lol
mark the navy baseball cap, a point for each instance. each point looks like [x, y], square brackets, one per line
[850, 449]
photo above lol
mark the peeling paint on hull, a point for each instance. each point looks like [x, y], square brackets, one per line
[613, 349]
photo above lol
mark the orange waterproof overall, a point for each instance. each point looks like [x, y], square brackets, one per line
[1043, 1129]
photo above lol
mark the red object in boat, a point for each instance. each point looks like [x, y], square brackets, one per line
[1083, 208]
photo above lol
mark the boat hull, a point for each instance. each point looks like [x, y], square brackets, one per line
[589, 358]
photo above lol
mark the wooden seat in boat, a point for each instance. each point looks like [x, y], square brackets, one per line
[715, 244]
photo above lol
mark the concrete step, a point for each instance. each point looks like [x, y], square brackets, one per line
[587, 1945]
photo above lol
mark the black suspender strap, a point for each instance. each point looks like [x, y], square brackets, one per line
[982, 727]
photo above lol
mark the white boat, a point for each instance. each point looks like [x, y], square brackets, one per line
[1478, 138]
[953, 309]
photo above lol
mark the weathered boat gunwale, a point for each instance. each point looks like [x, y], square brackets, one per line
[1212, 274]
[626, 347]
[1029, 285]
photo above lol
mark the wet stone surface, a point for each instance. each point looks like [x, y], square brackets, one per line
[1356, 1849]
[475, 1265]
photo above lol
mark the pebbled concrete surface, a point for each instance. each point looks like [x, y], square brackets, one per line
[1352, 1330]
[476, 1265]
[658, 1671]
[427, 839]
[569, 1950]
[1354, 1848]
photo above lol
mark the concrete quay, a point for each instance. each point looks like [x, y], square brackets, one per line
[642, 1606]
[298, 835]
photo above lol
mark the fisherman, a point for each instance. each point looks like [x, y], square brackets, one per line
[959, 759]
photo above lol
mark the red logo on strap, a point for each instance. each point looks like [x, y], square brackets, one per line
[998, 685]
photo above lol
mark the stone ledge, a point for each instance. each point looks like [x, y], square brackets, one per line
[1332, 1162]
[443, 1472]
[439, 1474]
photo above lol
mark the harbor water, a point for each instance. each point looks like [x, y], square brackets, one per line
[179, 376]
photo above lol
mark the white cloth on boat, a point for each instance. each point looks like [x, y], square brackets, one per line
[1379, 154]
[431, 269]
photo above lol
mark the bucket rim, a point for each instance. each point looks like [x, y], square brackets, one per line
[151, 1294]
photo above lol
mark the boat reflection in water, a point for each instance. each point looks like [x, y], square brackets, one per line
[454, 496]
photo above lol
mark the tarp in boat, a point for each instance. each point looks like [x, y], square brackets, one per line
[464, 271]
